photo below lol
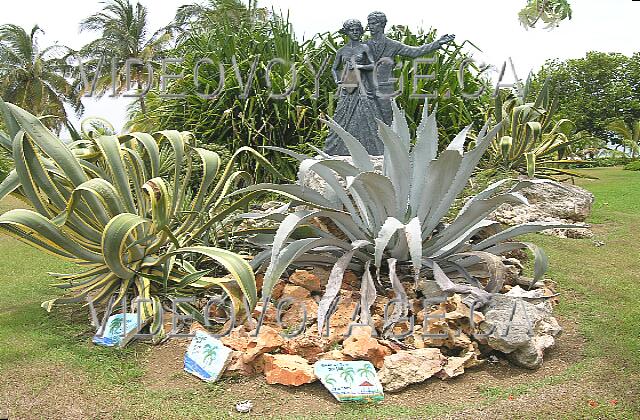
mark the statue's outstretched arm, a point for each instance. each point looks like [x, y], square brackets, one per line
[414, 52]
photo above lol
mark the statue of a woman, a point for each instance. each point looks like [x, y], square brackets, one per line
[356, 110]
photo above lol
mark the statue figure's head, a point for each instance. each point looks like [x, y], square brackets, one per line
[353, 29]
[376, 22]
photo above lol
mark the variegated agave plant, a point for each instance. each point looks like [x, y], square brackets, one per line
[398, 214]
[531, 141]
[102, 204]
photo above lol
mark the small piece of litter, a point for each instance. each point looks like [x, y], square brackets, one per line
[244, 406]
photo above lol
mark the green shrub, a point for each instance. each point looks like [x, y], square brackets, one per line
[531, 141]
[603, 162]
[6, 164]
[632, 166]
[232, 122]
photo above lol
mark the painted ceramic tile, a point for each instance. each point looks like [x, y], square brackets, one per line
[350, 381]
[113, 331]
[206, 357]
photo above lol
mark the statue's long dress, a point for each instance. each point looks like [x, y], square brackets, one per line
[356, 112]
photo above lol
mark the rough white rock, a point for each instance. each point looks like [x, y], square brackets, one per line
[523, 336]
[550, 202]
[408, 367]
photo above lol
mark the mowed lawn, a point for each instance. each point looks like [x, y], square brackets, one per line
[50, 369]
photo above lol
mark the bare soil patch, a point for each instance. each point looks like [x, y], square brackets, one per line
[164, 371]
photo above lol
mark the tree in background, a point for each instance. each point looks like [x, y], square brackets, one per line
[124, 34]
[198, 16]
[550, 12]
[33, 78]
[629, 135]
[227, 31]
[595, 90]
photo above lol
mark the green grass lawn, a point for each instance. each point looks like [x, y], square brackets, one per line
[48, 363]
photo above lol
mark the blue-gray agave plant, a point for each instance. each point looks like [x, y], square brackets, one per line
[397, 214]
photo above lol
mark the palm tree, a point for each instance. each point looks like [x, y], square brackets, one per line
[116, 326]
[347, 374]
[367, 372]
[33, 78]
[330, 380]
[630, 135]
[194, 16]
[209, 353]
[124, 35]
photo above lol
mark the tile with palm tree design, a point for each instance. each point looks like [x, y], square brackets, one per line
[118, 330]
[350, 381]
[206, 357]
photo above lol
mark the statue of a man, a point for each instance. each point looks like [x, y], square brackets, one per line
[383, 47]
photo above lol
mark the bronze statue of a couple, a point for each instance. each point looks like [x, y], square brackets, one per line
[362, 99]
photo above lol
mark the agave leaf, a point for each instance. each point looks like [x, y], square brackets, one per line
[189, 309]
[210, 163]
[70, 278]
[51, 145]
[426, 147]
[298, 156]
[151, 147]
[138, 175]
[101, 189]
[114, 239]
[33, 228]
[341, 167]
[471, 216]
[367, 295]
[328, 176]
[261, 160]
[9, 184]
[10, 124]
[288, 225]
[446, 285]
[397, 166]
[520, 230]
[486, 193]
[400, 126]
[239, 269]
[388, 230]
[234, 179]
[463, 173]
[110, 148]
[290, 253]
[27, 182]
[157, 192]
[178, 145]
[380, 192]
[441, 172]
[401, 304]
[146, 308]
[458, 142]
[157, 324]
[413, 232]
[335, 281]
[495, 267]
[292, 191]
[423, 153]
[356, 149]
[456, 245]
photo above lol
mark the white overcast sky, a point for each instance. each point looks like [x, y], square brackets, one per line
[609, 26]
